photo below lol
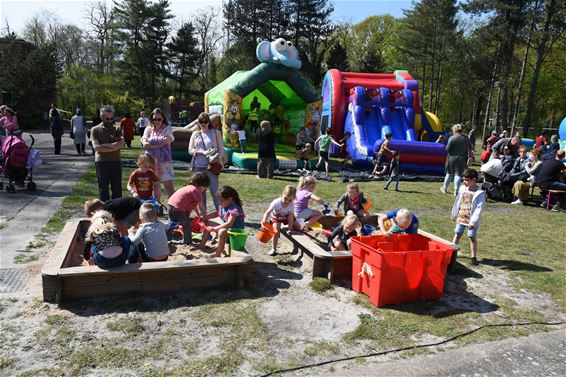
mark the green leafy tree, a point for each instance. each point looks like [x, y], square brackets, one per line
[507, 18]
[185, 57]
[310, 30]
[428, 34]
[367, 43]
[337, 57]
[29, 74]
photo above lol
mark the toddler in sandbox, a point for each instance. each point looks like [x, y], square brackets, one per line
[103, 244]
[187, 199]
[305, 193]
[230, 213]
[281, 211]
[339, 239]
[354, 202]
[150, 240]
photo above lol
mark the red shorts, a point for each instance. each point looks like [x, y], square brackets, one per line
[281, 221]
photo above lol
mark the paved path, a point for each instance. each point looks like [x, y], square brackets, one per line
[24, 213]
[541, 354]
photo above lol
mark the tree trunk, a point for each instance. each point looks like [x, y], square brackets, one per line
[541, 51]
[513, 20]
[522, 74]
[487, 110]
[437, 91]
[432, 69]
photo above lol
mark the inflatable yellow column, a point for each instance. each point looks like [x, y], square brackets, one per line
[312, 118]
[232, 115]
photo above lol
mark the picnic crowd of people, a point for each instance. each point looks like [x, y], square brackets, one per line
[127, 229]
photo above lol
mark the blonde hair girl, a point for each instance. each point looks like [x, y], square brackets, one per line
[281, 211]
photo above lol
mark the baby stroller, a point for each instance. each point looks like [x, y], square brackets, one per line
[493, 181]
[18, 161]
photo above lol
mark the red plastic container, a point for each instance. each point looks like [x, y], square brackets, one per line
[401, 268]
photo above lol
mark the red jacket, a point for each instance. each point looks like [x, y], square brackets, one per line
[128, 128]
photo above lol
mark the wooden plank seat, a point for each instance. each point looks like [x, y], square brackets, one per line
[325, 263]
[333, 264]
[64, 277]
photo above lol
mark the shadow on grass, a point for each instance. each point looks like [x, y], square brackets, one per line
[267, 280]
[456, 299]
[512, 265]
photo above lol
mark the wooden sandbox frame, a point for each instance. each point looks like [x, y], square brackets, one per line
[335, 264]
[62, 281]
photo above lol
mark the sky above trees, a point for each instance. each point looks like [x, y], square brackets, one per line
[17, 13]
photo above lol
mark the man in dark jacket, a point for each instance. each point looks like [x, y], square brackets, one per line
[549, 178]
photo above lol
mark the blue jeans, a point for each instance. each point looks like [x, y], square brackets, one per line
[459, 229]
[106, 263]
[138, 252]
[391, 178]
[109, 173]
[559, 186]
[185, 220]
[213, 186]
[448, 178]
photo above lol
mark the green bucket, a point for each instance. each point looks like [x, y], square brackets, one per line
[238, 239]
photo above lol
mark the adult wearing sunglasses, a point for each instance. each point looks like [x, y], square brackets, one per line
[107, 141]
[156, 140]
[202, 143]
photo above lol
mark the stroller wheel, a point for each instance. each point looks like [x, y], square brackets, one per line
[31, 186]
[11, 188]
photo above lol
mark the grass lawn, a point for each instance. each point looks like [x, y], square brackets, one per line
[521, 278]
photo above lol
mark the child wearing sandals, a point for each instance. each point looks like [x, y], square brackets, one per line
[339, 239]
[232, 215]
[281, 211]
[354, 202]
[104, 246]
[305, 193]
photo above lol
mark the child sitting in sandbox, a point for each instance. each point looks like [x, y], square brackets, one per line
[232, 215]
[104, 246]
[339, 239]
[153, 235]
[305, 193]
[281, 211]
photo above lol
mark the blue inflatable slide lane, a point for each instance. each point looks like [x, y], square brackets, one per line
[372, 113]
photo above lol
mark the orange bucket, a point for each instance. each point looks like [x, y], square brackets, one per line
[198, 226]
[368, 205]
[266, 232]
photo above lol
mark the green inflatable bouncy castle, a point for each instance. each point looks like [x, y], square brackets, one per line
[274, 91]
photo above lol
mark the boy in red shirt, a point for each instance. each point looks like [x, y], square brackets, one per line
[141, 181]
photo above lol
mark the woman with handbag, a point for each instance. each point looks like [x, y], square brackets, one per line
[208, 154]
[156, 140]
[78, 131]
